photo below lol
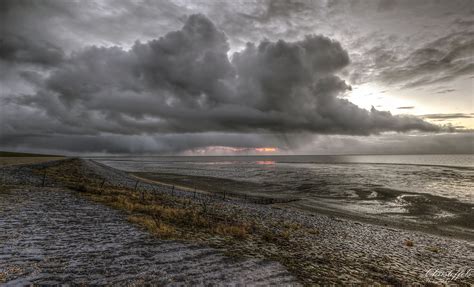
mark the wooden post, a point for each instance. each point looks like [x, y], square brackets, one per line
[155, 192]
[136, 184]
[44, 179]
[172, 190]
[194, 192]
[224, 195]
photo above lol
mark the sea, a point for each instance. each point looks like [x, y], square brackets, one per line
[423, 186]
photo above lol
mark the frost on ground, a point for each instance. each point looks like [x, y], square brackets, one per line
[51, 236]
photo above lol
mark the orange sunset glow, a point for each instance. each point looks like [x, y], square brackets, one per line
[266, 149]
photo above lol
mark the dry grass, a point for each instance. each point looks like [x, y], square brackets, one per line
[172, 217]
[153, 225]
[236, 231]
[163, 215]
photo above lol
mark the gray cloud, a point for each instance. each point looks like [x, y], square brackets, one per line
[57, 86]
[445, 91]
[216, 143]
[139, 144]
[439, 61]
[184, 82]
[455, 143]
[448, 116]
[20, 50]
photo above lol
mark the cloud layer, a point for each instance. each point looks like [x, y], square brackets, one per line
[192, 88]
[184, 82]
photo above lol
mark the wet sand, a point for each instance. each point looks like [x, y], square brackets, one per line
[414, 211]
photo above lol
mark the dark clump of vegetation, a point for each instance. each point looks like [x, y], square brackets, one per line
[409, 243]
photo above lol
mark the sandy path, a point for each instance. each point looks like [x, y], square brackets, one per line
[51, 236]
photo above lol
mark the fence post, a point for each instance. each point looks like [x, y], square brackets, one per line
[44, 179]
[224, 195]
[194, 192]
[136, 184]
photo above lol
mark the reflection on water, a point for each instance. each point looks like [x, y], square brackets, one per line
[265, 162]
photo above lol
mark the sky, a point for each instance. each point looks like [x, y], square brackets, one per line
[237, 77]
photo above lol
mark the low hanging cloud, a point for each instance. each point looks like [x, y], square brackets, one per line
[185, 82]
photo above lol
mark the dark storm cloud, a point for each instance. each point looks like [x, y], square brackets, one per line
[122, 144]
[184, 82]
[22, 40]
[20, 50]
[180, 91]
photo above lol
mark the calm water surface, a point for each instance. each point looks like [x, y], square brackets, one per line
[449, 176]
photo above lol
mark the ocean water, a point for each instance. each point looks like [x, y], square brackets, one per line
[450, 176]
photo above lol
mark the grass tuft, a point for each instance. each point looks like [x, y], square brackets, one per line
[236, 231]
[154, 226]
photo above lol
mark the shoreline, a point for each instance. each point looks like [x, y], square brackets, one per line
[317, 248]
[448, 231]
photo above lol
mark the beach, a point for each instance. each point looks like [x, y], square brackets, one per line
[430, 193]
[278, 245]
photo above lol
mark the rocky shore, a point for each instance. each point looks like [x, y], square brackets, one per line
[43, 222]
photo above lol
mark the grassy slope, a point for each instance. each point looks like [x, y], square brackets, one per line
[201, 220]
